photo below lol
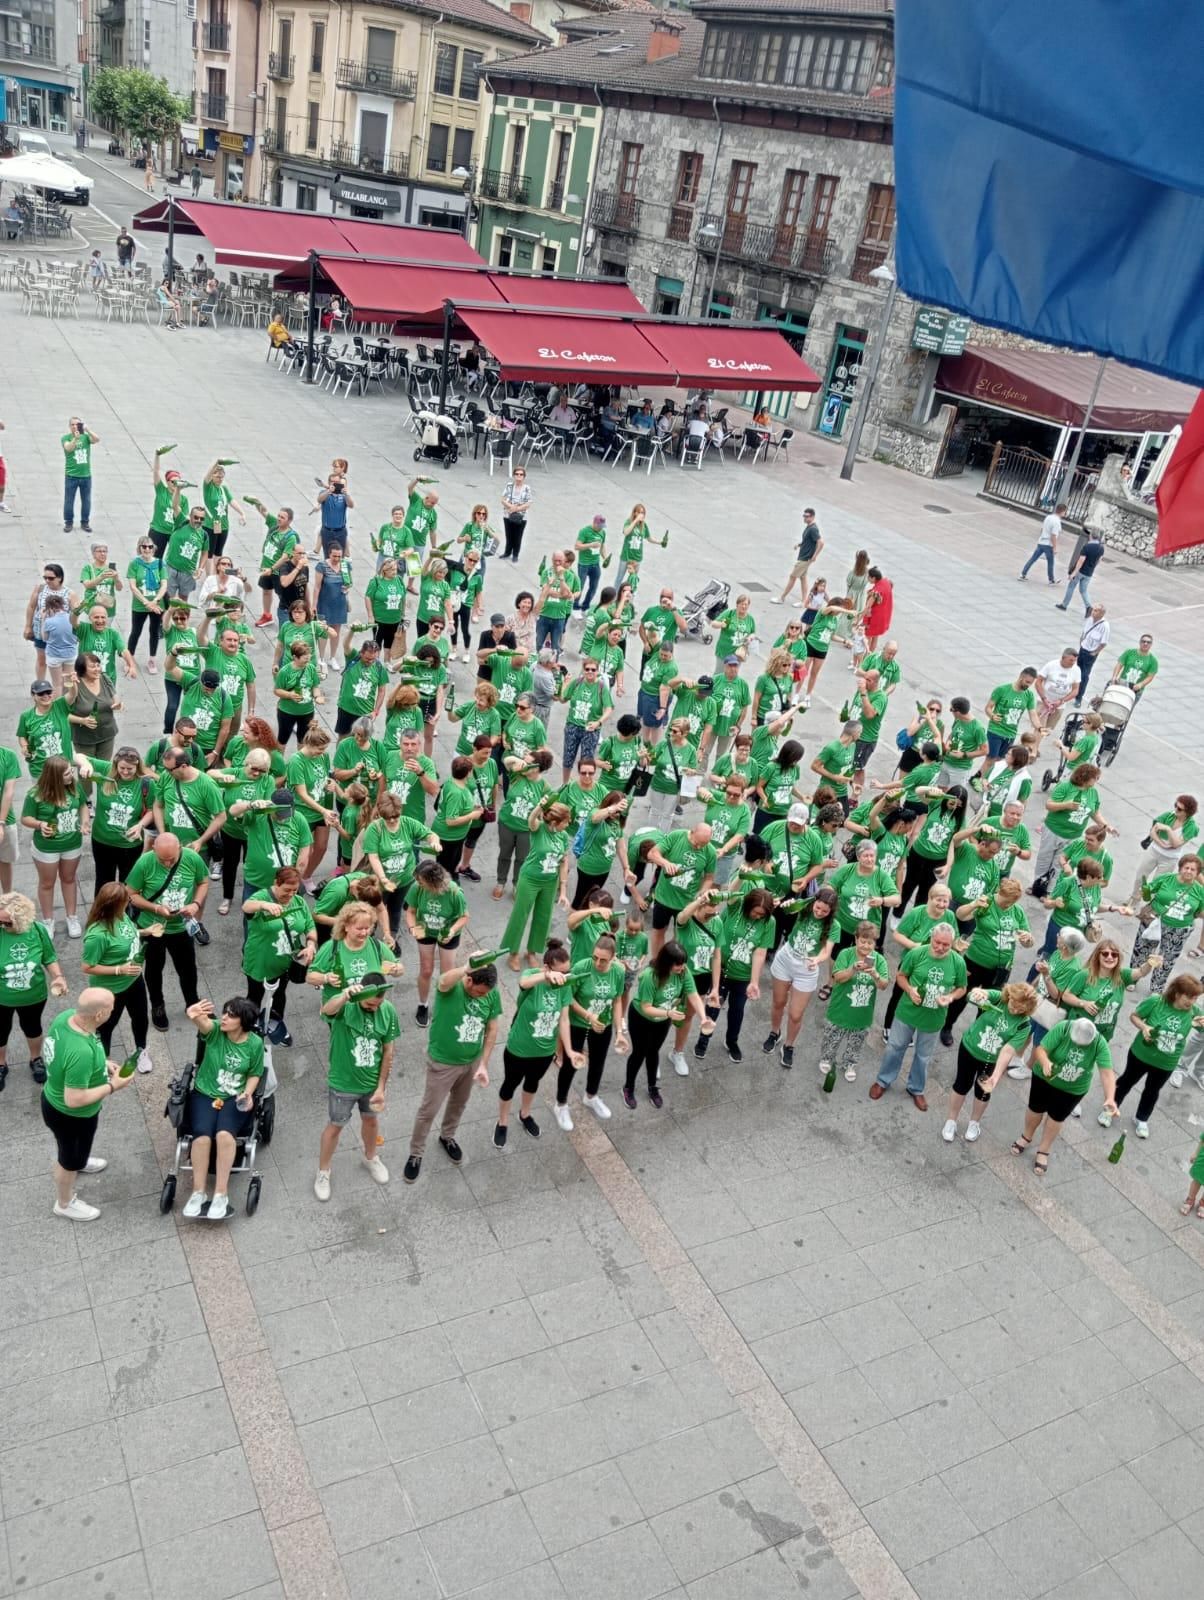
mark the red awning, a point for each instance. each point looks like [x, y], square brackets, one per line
[272, 239]
[533, 344]
[391, 291]
[567, 294]
[714, 357]
[1055, 386]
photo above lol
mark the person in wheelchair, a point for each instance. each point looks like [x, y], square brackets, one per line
[220, 1105]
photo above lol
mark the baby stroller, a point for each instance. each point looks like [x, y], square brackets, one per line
[1115, 707]
[703, 607]
[438, 436]
[263, 1121]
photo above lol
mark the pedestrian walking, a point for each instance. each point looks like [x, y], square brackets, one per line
[1097, 630]
[809, 546]
[1047, 544]
[1082, 571]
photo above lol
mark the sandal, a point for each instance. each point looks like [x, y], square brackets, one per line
[1021, 1145]
[498, 892]
[825, 993]
[224, 909]
[1185, 1210]
[1040, 1164]
[1200, 1211]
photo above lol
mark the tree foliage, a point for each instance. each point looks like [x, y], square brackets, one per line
[138, 103]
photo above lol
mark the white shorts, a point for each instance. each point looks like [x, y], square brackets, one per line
[10, 845]
[795, 970]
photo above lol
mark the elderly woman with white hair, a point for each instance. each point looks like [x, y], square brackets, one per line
[1065, 1062]
[26, 956]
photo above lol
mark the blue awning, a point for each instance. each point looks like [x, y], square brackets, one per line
[1050, 171]
[37, 83]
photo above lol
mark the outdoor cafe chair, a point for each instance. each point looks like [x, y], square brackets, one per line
[781, 445]
[693, 448]
[501, 450]
[753, 440]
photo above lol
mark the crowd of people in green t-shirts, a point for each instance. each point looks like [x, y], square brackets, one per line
[676, 839]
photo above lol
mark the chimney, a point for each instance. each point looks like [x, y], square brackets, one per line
[664, 40]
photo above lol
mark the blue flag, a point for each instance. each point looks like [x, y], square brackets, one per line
[1050, 171]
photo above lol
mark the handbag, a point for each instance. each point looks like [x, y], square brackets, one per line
[1048, 1015]
[488, 812]
[639, 782]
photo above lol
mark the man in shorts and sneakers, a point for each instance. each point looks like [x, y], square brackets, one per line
[463, 1031]
[363, 1026]
[809, 547]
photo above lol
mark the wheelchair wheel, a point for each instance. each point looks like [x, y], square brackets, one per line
[1047, 779]
[167, 1196]
[418, 453]
[253, 1189]
[267, 1121]
[708, 638]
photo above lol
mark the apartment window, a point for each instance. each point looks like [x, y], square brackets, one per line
[285, 38]
[561, 155]
[518, 148]
[879, 215]
[505, 252]
[374, 136]
[548, 265]
[146, 40]
[307, 197]
[739, 187]
[791, 203]
[281, 120]
[436, 147]
[689, 177]
[837, 62]
[311, 124]
[445, 68]
[629, 168]
[461, 148]
[821, 205]
[470, 74]
[317, 46]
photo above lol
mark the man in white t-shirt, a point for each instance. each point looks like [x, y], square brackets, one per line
[1047, 543]
[1057, 682]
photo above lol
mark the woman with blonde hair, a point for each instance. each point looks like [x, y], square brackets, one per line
[998, 1035]
[541, 883]
[26, 956]
[113, 958]
[855, 586]
[775, 686]
[353, 950]
[56, 812]
[121, 791]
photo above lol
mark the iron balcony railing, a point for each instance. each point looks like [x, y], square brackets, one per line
[620, 213]
[865, 258]
[216, 36]
[384, 165]
[214, 107]
[366, 75]
[789, 249]
[280, 68]
[514, 187]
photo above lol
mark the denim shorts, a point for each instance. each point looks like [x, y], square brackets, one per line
[340, 1106]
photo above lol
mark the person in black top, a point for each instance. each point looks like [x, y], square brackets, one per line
[1082, 569]
[497, 636]
[810, 545]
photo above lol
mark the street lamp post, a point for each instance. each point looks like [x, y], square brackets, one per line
[883, 274]
[710, 236]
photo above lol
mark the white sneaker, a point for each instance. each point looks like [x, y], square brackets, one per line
[850, 1074]
[48, 924]
[336, 666]
[1078, 1110]
[624, 898]
[215, 872]
[1143, 1129]
[94, 1165]
[219, 1208]
[322, 1185]
[77, 1210]
[1177, 1078]
[949, 1131]
[1020, 1073]
[377, 1168]
[196, 1203]
[73, 928]
[145, 1064]
[1104, 1119]
[680, 1065]
[973, 1129]
[777, 600]
[597, 1105]
[563, 1119]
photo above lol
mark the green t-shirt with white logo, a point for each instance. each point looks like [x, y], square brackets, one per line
[72, 1059]
[993, 1028]
[1073, 1064]
[536, 1025]
[1010, 705]
[357, 1046]
[933, 976]
[458, 1024]
[228, 1063]
[23, 958]
[118, 946]
[1171, 1029]
[273, 941]
[851, 1005]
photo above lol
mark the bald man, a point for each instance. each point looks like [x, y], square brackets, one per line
[169, 885]
[79, 1079]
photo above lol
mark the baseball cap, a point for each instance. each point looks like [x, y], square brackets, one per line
[797, 813]
[731, 661]
[706, 683]
[498, 620]
[284, 801]
[41, 686]
[210, 679]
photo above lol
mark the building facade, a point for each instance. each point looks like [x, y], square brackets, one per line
[743, 169]
[154, 35]
[372, 107]
[40, 73]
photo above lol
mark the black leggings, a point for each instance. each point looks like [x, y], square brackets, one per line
[515, 527]
[967, 1073]
[587, 882]
[977, 977]
[113, 862]
[527, 1070]
[918, 878]
[596, 1046]
[256, 989]
[1155, 1082]
[385, 634]
[132, 1002]
[30, 1018]
[138, 621]
[735, 992]
[182, 951]
[288, 722]
[646, 1040]
[233, 851]
[450, 851]
[461, 622]
[172, 704]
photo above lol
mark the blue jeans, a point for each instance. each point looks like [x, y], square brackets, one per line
[549, 630]
[589, 576]
[901, 1035]
[1042, 550]
[84, 488]
[1079, 582]
[998, 745]
[579, 744]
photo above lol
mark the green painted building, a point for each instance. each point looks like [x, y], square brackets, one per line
[533, 184]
